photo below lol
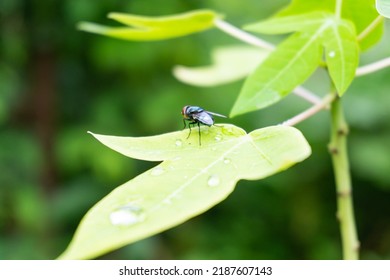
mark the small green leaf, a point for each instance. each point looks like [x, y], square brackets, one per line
[154, 28]
[229, 64]
[383, 7]
[289, 65]
[342, 54]
[189, 181]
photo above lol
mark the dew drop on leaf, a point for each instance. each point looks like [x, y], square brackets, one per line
[213, 181]
[127, 215]
[157, 171]
[332, 54]
[226, 160]
[178, 143]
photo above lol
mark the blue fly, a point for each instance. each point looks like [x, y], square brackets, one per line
[196, 115]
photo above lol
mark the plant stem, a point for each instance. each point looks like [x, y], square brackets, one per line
[242, 35]
[370, 28]
[338, 151]
[339, 4]
[307, 95]
[324, 103]
[373, 67]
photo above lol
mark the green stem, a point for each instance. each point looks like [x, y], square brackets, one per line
[338, 151]
[378, 20]
[339, 4]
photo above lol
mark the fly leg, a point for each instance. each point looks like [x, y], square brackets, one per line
[189, 126]
[200, 142]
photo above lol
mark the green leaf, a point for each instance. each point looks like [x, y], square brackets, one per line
[190, 180]
[342, 54]
[361, 12]
[289, 65]
[383, 7]
[229, 64]
[144, 28]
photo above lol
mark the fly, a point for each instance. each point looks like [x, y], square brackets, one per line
[197, 115]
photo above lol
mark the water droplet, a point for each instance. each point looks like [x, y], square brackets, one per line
[157, 171]
[332, 54]
[213, 181]
[218, 137]
[178, 143]
[127, 215]
[226, 160]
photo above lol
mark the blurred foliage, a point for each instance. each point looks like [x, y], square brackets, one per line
[56, 83]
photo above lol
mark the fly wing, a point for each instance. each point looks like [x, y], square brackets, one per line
[216, 114]
[204, 118]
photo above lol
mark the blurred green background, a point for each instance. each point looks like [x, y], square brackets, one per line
[56, 83]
